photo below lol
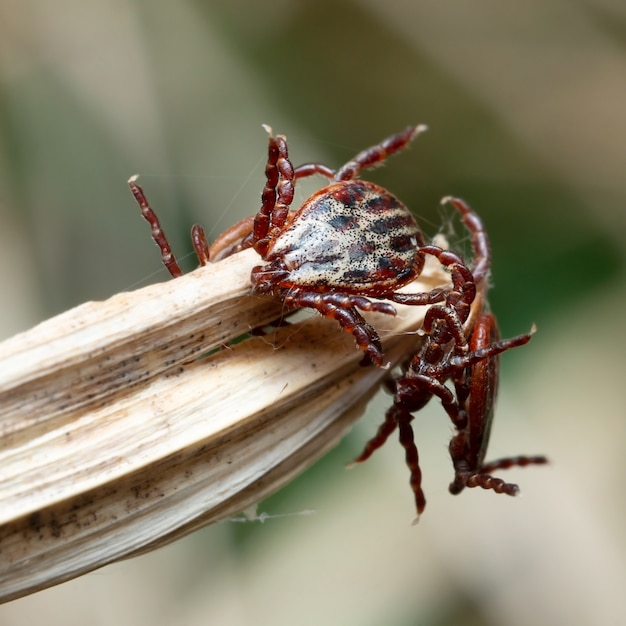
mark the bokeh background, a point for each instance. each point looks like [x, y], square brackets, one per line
[526, 106]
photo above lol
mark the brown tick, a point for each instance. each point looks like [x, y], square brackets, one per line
[350, 242]
[466, 352]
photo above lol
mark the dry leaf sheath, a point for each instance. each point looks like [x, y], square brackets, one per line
[117, 437]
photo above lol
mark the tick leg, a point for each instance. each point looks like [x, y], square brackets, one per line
[397, 416]
[422, 298]
[407, 440]
[486, 481]
[345, 301]
[375, 155]
[488, 352]
[262, 219]
[463, 284]
[309, 169]
[365, 335]
[232, 240]
[379, 439]
[516, 461]
[167, 256]
[200, 244]
[341, 308]
[412, 392]
[277, 194]
[480, 240]
[453, 326]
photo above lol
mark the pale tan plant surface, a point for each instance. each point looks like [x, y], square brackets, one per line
[127, 423]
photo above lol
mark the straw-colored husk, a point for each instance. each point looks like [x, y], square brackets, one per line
[116, 437]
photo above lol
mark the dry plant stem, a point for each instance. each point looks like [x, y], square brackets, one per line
[114, 440]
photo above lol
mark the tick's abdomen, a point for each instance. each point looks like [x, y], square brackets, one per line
[351, 236]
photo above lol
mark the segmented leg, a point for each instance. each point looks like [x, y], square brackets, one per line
[231, 240]
[515, 461]
[169, 260]
[276, 197]
[198, 236]
[200, 244]
[309, 169]
[407, 441]
[411, 395]
[480, 241]
[342, 307]
[379, 439]
[485, 480]
[375, 155]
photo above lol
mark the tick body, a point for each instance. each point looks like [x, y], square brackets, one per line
[349, 246]
[353, 237]
[476, 390]
[466, 352]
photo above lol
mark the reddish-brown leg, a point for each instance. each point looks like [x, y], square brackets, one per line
[379, 439]
[231, 240]
[407, 440]
[370, 157]
[262, 220]
[476, 390]
[200, 244]
[319, 301]
[198, 235]
[169, 260]
[375, 155]
[277, 195]
[515, 461]
[458, 300]
[485, 480]
[480, 240]
[309, 169]
[403, 415]
[342, 307]
[449, 318]
[411, 395]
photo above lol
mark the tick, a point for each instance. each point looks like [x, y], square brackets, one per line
[349, 246]
[466, 352]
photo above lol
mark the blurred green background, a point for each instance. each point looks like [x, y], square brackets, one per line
[526, 104]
